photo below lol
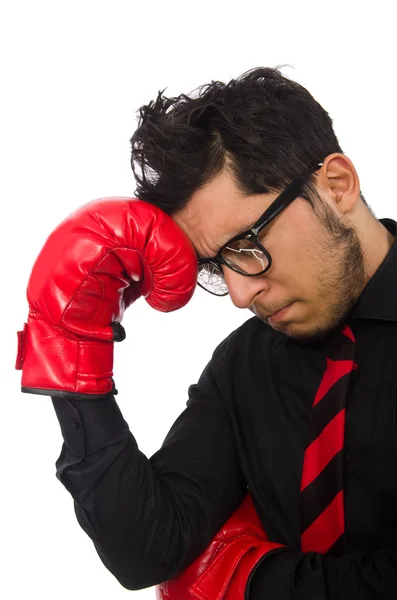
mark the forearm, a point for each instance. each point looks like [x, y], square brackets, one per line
[119, 501]
[294, 575]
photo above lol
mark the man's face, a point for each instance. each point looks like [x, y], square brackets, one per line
[317, 266]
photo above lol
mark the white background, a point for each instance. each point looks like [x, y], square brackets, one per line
[73, 75]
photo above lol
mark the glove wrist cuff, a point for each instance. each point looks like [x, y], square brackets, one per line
[228, 574]
[55, 365]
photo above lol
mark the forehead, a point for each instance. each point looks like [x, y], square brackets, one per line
[218, 211]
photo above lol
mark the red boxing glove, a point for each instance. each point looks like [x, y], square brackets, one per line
[97, 262]
[223, 569]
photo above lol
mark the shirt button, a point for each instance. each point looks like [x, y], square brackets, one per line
[351, 548]
[347, 456]
[75, 423]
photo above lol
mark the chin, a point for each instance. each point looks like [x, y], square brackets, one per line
[300, 325]
[307, 331]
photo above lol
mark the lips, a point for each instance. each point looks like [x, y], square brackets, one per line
[276, 311]
[279, 314]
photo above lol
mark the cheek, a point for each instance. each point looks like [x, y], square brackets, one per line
[290, 251]
[296, 256]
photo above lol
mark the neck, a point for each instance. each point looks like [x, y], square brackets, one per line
[376, 245]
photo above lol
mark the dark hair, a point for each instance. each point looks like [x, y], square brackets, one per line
[263, 127]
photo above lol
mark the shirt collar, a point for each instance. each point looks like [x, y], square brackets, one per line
[379, 298]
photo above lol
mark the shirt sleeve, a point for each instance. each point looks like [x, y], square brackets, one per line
[149, 518]
[291, 575]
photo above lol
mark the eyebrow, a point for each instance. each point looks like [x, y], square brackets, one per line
[243, 230]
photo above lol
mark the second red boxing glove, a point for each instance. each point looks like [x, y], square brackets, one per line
[97, 262]
[222, 571]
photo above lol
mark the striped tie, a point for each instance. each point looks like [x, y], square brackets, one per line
[322, 505]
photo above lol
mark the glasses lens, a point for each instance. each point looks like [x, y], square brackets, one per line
[210, 277]
[245, 257]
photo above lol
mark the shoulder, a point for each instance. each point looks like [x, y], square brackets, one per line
[253, 335]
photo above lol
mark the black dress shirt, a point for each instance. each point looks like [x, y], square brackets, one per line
[245, 426]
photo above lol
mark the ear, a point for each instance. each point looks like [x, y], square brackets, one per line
[340, 182]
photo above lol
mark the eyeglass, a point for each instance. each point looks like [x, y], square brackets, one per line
[244, 253]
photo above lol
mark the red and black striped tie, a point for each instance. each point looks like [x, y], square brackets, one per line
[322, 503]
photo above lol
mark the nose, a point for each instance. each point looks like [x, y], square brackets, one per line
[243, 289]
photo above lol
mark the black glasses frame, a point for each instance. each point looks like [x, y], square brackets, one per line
[291, 192]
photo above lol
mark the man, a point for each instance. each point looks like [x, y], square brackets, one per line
[297, 406]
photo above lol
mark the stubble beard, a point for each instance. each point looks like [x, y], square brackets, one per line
[341, 276]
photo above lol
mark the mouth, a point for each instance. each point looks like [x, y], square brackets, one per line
[278, 316]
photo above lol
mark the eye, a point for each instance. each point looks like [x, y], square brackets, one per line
[240, 244]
